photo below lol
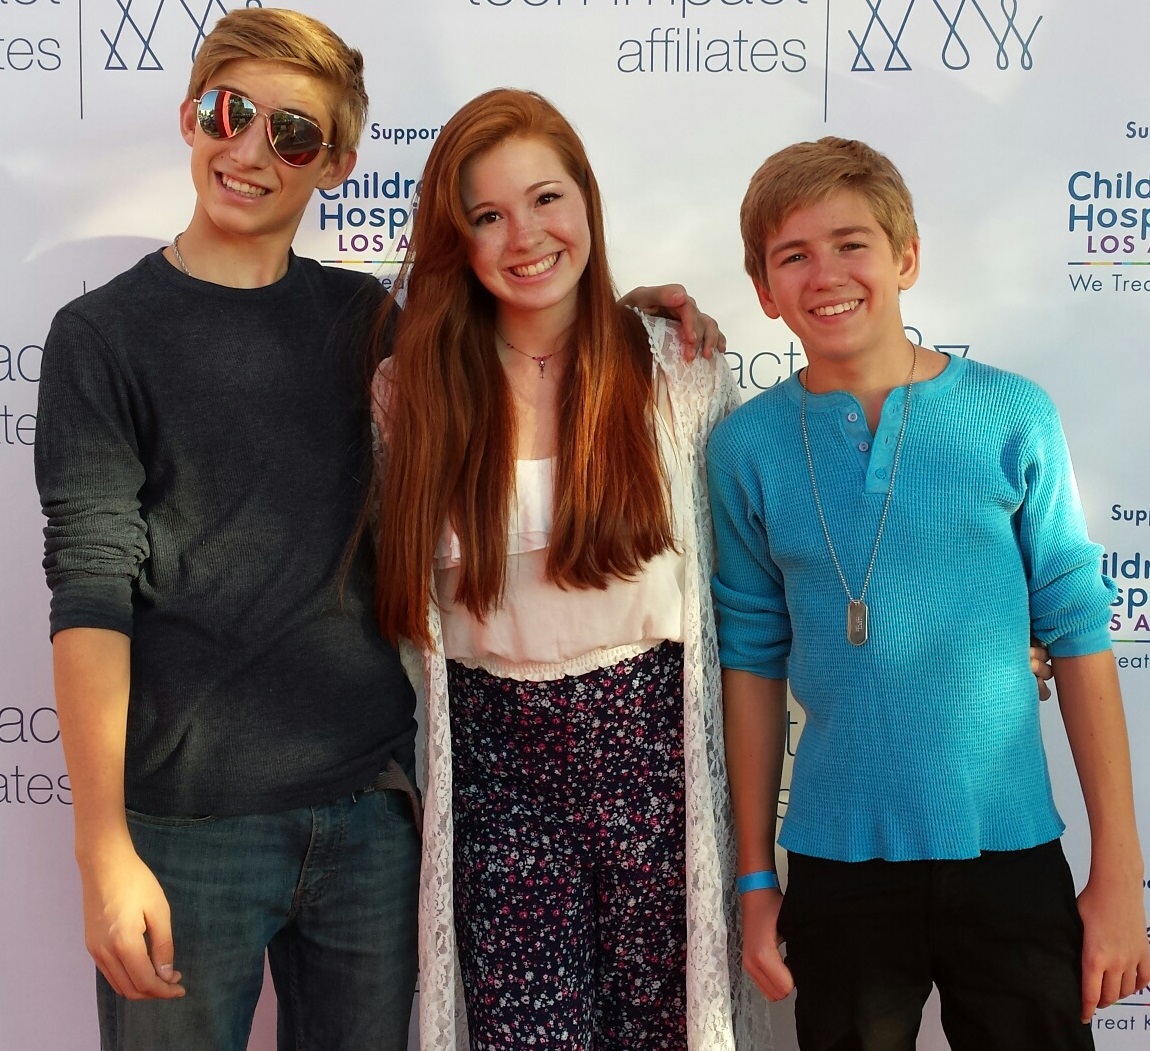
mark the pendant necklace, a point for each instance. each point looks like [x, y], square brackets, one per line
[180, 258]
[539, 359]
[857, 612]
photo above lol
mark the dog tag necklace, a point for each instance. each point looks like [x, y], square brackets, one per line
[857, 612]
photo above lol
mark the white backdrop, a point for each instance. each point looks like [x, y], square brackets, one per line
[1021, 125]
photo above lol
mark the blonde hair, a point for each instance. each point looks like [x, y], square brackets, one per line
[292, 39]
[810, 172]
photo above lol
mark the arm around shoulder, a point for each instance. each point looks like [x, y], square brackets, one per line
[700, 331]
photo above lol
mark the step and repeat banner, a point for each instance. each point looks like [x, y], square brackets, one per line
[1022, 127]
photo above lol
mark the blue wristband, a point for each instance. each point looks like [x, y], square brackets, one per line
[757, 881]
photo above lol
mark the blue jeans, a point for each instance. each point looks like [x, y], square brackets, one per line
[329, 892]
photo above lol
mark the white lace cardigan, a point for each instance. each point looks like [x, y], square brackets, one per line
[725, 1012]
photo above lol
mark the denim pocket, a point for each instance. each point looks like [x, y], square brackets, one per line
[395, 806]
[164, 821]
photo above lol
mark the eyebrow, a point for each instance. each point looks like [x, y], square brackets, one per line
[530, 189]
[286, 109]
[836, 233]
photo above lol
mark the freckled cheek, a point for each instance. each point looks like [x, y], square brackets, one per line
[484, 254]
[485, 266]
[475, 258]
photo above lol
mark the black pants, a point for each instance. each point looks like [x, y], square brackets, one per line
[999, 935]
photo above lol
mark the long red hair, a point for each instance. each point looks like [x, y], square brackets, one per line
[450, 431]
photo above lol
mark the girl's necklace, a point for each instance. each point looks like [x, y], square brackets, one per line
[539, 359]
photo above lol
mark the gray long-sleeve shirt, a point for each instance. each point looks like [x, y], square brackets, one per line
[202, 455]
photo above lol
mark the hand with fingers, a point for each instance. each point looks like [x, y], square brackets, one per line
[1040, 668]
[1115, 946]
[701, 332]
[128, 929]
[761, 957]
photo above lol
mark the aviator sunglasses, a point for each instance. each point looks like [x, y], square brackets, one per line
[296, 140]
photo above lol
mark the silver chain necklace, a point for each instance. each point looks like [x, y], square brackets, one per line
[180, 258]
[857, 612]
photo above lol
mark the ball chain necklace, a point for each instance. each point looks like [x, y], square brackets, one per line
[180, 258]
[539, 359]
[857, 612]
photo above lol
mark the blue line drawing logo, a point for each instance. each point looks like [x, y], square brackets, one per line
[130, 45]
[881, 44]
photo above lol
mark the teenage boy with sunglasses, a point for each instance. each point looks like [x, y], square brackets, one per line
[238, 737]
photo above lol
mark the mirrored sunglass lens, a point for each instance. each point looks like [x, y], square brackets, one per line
[223, 114]
[296, 139]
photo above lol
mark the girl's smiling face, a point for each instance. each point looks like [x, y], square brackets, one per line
[530, 239]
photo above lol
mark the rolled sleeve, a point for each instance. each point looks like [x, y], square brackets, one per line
[89, 474]
[750, 602]
[1069, 595]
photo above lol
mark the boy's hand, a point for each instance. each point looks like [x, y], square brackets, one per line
[1040, 668]
[1115, 951]
[761, 957]
[700, 331]
[127, 927]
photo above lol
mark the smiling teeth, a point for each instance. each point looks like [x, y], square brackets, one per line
[534, 269]
[838, 308]
[242, 187]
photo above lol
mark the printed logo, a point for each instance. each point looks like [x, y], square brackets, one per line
[1110, 216]
[1130, 571]
[977, 26]
[762, 369]
[130, 44]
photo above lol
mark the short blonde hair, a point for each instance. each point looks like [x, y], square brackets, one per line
[810, 172]
[291, 39]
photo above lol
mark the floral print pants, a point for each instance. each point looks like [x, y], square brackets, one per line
[570, 894]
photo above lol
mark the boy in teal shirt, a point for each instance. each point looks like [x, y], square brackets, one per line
[885, 506]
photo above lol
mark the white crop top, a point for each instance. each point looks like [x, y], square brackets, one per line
[542, 631]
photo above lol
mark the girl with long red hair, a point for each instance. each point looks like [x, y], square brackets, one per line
[543, 542]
